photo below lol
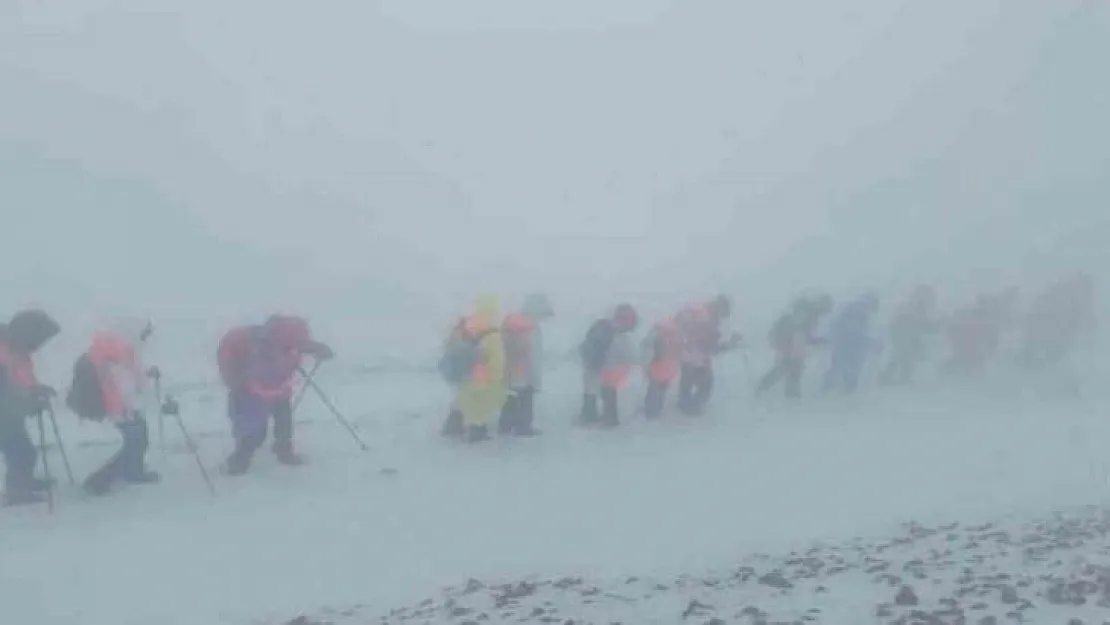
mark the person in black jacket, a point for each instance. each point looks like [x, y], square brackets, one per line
[22, 396]
[792, 337]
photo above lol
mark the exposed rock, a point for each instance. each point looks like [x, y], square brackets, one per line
[906, 597]
[775, 579]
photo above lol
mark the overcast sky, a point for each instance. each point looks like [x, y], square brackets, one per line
[203, 155]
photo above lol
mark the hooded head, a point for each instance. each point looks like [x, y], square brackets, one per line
[487, 309]
[537, 306]
[29, 330]
[721, 306]
[625, 318]
[287, 331]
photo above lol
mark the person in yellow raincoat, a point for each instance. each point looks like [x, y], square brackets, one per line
[481, 389]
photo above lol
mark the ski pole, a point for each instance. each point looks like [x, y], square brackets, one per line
[161, 416]
[171, 408]
[335, 411]
[45, 463]
[304, 387]
[61, 445]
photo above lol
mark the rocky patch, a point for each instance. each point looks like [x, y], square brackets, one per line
[1051, 571]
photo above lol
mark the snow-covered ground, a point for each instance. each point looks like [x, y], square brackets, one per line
[365, 533]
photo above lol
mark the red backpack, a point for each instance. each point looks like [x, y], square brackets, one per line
[233, 354]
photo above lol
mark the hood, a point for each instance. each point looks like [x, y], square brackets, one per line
[29, 330]
[133, 330]
[487, 308]
[537, 306]
[288, 331]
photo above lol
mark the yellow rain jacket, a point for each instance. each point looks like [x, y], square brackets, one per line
[485, 392]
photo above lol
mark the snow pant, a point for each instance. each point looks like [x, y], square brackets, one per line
[20, 457]
[609, 414]
[695, 387]
[129, 463]
[655, 398]
[845, 370]
[518, 413]
[788, 368]
[250, 423]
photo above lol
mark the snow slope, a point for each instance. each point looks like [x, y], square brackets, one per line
[649, 499]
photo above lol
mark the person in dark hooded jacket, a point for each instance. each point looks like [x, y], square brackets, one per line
[22, 396]
[792, 337]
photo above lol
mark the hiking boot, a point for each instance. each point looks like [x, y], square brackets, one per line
[97, 485]
[477, 434]
[289, 458]
[143, 477]
[22, 498]
[38, 484]
[453, 427]
[237, 463]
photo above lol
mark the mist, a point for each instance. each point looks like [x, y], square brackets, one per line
[375, 165]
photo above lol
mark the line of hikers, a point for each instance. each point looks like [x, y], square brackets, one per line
[257, 364]
[495, 367]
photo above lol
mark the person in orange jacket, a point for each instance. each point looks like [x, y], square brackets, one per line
[700, 326]
[22, 396]
[110, 382]
[607, 360]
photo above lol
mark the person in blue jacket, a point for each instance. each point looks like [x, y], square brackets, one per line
[851, 344]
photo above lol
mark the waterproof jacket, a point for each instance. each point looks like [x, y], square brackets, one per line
[523, 342]
[116, 357]
[25, 334]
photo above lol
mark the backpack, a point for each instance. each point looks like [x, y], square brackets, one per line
[595, 347]
[85, 397]
[233, 355]
[463, 352]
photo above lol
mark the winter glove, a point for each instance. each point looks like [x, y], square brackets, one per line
[39, 398]
[320, 351]
[154, 373]
[170, 407]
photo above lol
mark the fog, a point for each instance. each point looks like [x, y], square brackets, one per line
[201, 159]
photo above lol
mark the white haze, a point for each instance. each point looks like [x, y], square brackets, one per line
[376, 164]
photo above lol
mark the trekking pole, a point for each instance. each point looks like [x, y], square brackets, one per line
[45, 464]
[304, 387]
[173, 409]
[161, 415]
[61, 445]
[335, 411]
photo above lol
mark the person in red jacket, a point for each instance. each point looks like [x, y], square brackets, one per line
[258, 363]
[22, 396]
[702, 340]
[110, 382]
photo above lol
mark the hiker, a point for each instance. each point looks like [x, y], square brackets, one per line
[661, 355]
[1057, 321]
[792, 337]
[110, 382]
[22, 396]
[975, 332]
[473, 363]
[607, 359]
[700, 325]
[851, 344]
[523, 342]
[911, 325]
[258, 364]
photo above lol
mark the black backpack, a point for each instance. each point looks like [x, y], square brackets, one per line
[595, 347]
[84, 397]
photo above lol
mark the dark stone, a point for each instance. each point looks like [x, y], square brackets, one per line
[1008, 594]
[906, 597]
[775, 579]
